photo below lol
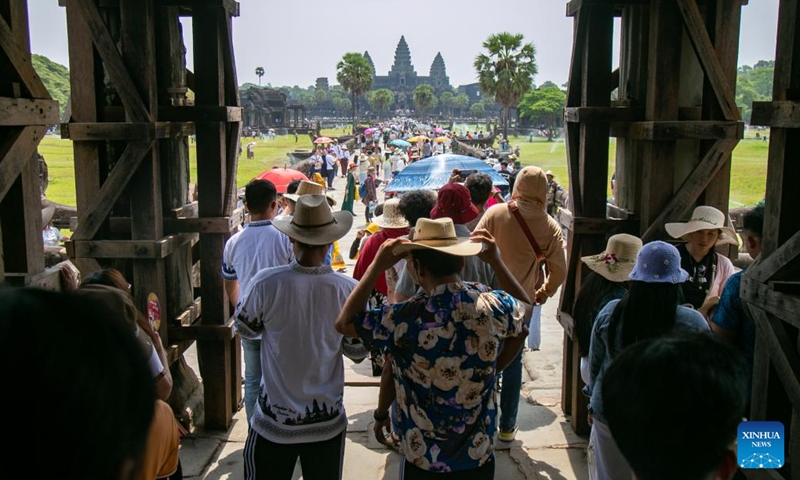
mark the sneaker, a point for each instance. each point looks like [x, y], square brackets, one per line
[507, 436]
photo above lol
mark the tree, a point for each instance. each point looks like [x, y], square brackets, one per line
[461, 101]
[754, 84]
[259, 73]
[354, 74]
[381, 100]
[477, 110]
[544, 107]
[307, 99]
[424, 98]
[446, 101]
[506, 70]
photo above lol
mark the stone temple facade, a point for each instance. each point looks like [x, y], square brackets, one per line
[402, 78]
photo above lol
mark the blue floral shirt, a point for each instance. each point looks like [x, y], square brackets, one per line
[444, 346]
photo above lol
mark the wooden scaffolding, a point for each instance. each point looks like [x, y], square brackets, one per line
[675, 120]
[129, 121]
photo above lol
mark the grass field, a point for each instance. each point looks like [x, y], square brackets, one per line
[748, 177]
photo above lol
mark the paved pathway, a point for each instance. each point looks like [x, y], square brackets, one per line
[546, 447]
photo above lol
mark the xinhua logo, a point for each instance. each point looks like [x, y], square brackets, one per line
[760, 445]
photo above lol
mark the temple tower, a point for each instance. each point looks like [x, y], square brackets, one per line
[371, 63]
[402, 73]
[438, 76]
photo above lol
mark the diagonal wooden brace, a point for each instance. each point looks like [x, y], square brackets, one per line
[16, 154]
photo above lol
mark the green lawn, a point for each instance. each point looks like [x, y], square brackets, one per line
[748, 178]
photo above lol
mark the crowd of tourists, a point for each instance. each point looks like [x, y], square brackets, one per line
[445, 298]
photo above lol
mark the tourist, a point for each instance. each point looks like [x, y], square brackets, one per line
[300, 413]
[460, 333]
[525, 256]
[426, 148]
[708, 270]
[260, 245]
[369, 194]
[288, 200]
[329, 167]
[674, 406]
[608, 281]
[387, 163]
[650, 309]
[80, 358]
[555, 195]
[51, 236]
[398, 164]
[480, 190]
[504, 171]
[731, 320]
[361, 238]
[363, 167]
[350, 190]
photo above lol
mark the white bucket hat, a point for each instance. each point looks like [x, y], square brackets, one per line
[618, 259]
[392, 216]
[313, 222]
[704, 218]
[309, 188]
[439, 235]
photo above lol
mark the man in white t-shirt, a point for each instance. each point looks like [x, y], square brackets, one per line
[300, 411]
[247, 252]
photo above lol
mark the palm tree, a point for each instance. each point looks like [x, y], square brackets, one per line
[424, 98]
[260, 73]
[506, 71]
[381, 100]
[355, 75]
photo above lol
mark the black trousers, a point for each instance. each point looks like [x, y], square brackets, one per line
[275, 461]
[409, 471]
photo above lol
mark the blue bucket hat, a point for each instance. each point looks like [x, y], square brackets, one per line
[659, 262]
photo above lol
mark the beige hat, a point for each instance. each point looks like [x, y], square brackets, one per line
[439, 235]
[314, 223]
[618, 259]
[309, 188]
[392, 216]
[47, 214]
[704, 218]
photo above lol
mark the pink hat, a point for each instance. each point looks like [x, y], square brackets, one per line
[454, 202]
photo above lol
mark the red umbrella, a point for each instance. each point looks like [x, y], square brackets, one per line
[281, 177]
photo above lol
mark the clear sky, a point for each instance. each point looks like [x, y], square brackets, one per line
[298, 42]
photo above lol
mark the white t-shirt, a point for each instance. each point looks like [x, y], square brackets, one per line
[294, 309]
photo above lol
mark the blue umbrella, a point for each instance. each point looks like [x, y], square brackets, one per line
[433, 172]
[400, 143]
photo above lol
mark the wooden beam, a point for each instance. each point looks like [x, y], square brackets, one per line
[230, 6]
[200, 113]
[21, 61]
[191, 313]
[603, 114]
[574, 6]
[15, 154]
[690, 190]
[127, 249]
[187, 211]
[782, 352]
[776, 303]
[768, 266]
[122, 225]
[125, 131]
[113, 62]
[202, 332]
[698, 34]
[17, 112]
[49, 279]
[680, 130]
[109, 193]
[781, 114]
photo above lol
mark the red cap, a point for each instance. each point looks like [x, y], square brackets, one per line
[454, 202]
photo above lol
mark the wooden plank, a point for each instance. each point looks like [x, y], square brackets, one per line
[601, 226]
[767, 267]
[125, 131]
[200, 113]
[189, 210]
[580, 402]
[780, 304]
[781, 351]
[761, 376]
[698, 34]
[17, 112]
[21, 221]
[679, 130]
[603, 114]
[16, 153]
[204, 224]
[218, 382]
[191, 313]
[21, 61]
[96, 213]
[566, 374]
[202, 332]
[230, 6]
[49, 279]
[782, 114]
[127, 249]
[684, 198]
[113, 61]
[574, 6]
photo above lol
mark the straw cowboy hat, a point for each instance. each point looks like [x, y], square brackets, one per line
[309, 188]
[439, 235]
[313, 222]
[704, 218]
[616, 262]
[391, 217]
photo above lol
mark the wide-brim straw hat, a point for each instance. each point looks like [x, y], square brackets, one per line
[439, 235]
[392, 216]
[313, 222]
[704, 218]
[616, 262]
[309, 188]
[47, 214]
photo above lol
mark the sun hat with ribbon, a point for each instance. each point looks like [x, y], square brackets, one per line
[309, 188]
[616, 262]
[313, 222]
[439, 235]
[704, 218]
[392, 217]
[454, 201]
[659, 262]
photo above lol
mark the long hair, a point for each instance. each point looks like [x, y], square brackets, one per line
[595, 290]
[647, 311]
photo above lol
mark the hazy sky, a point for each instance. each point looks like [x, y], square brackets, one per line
[298, 42]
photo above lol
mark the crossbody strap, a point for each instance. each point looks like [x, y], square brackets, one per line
[514, 209]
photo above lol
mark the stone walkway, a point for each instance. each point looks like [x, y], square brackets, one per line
[546, 447]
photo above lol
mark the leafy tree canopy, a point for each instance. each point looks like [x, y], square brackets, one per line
[55, 78]
[754, 84]
[543, 106]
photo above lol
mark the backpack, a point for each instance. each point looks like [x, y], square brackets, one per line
[362, 189]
